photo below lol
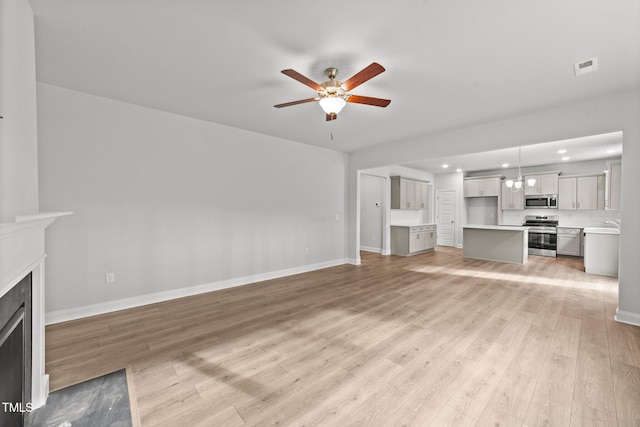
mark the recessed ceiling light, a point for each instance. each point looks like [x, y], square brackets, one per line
[458, 170]
[564, 159]
[445, 166]
[611, 151]
[505, 165]
[562, 151]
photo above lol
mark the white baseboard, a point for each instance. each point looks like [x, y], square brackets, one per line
[354, 261]
[627, 317]
[370, 249]
[125, 303]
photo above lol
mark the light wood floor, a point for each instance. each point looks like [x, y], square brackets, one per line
[432, 339]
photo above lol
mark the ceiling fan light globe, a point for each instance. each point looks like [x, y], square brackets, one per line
[332, 104]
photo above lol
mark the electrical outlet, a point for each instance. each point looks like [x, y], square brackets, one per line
[109, 277]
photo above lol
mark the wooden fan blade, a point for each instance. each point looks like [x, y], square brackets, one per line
[302, 79]
[331, 116]
[302, 101]
[365, 74]
[378, 102]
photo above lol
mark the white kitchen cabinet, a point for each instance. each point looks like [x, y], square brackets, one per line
[601, 250]
[511, 200]
[587, 194]
[408, 193]
[567, 193]
[432, 237]
[482, 186]
[569, 241]
[613, 182]
[410, 240]
[417, 242]
[546, 183]
[421, 194]
[581, 192]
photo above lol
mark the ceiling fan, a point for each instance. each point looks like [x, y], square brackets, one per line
[333, 94]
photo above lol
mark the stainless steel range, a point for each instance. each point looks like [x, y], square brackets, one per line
[543, 235]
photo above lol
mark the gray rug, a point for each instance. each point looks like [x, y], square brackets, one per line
[103, 401]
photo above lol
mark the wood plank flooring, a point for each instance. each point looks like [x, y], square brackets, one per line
[429, 340]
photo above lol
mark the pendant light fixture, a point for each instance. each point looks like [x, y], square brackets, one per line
[517, 184]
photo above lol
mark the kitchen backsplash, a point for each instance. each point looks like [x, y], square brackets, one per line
[590, 218]
[402, 216]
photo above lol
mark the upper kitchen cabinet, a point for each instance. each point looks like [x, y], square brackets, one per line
[612, 186]
[546, 183]
[581, 192]
[487, 186]
[408, 193]
[511, 200]
[421, 194]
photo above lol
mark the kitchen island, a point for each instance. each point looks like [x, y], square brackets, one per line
[504, 243]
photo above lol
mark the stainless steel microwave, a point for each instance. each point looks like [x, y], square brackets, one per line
[541, 201]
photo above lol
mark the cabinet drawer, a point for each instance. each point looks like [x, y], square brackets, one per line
[569, 231]
[417, 229]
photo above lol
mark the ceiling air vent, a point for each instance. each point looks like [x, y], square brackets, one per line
[584, 67]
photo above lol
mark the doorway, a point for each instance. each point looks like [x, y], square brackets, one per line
[372, 208]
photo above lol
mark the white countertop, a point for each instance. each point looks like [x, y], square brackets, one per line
[411, 225]
[497, 227]
[601, 230]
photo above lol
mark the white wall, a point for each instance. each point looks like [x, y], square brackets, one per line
[611, 113]
[167, 202]
[482, 210]
[18, 129]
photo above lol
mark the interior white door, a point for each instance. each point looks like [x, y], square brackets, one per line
[445, 217]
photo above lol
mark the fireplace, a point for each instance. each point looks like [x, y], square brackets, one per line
[15, 353]
[22, 314]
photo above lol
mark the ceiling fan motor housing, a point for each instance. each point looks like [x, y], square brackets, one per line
[332, 88]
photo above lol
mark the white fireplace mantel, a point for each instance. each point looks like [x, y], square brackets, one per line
[22, 252]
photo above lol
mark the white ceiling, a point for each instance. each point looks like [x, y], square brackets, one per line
[551, 153]
[448, 63]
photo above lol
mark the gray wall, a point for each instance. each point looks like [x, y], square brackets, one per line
[168, 202]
